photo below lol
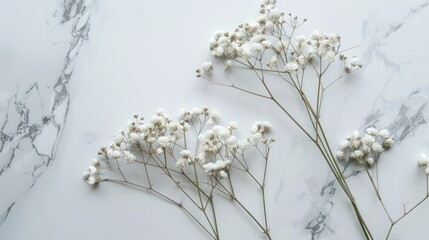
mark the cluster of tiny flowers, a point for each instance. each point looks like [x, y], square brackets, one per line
[220, 167]
[92, 176]
[365, 149]
[250, 40]
[423, 161]
[161, 135]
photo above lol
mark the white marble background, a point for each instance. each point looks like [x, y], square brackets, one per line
[73, 72]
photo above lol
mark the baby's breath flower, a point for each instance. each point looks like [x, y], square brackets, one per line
[384, 133]
[366, 148]
[114, 154]
[423, 161]
[129, 157]
[159, 150]
[341, 155]
[244, 144]
[228, 64]
[164, 141]
[372, 131]
[232, 142]
[291, 67]
[273, 62]
[119, 138]
[207, 67]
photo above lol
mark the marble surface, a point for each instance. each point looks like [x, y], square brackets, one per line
[73, 72]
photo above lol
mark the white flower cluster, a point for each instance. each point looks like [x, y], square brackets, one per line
[92, 176]
[162, 135]
[216, 140]
[252, 40]
[365, 149]
[423, 161]
[219, 167]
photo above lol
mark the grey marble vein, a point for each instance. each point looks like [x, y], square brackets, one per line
[25, 133]
[6, 213]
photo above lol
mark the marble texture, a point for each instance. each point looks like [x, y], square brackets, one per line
[73, 72]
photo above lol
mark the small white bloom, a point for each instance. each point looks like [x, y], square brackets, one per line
[223, 174]
[366, 149]
[356, 144]
[232, 142]
[267, 44]
[388, 143]
[207, 67]
[357, 154]
[330, 56]
[113, 154]
[368, 139]
[301, 60]
[164, 141]
[255, 138]
[344, 144]
[129, 157]
[195, 111]
[423, 160]
[355, 62]
[273, 62]
[280, 45]
[159, 150]
[370, 161]
[384, 133]
[376, 147]
[232, 125]
[266, 126]
[341, 155]
[119, 138]
[92, 180]
[228, 64]
[86, 175]
[214, 115]
[95, 162]
[185, 154]
[275, 15]
[134, 137]
[269, 26]
[356, 135]
[372, 131]
[244, 144]
[181, 162]
[291, 67]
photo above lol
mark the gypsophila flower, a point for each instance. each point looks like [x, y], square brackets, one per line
[164, 141]
[92, 177]
[129, 157]
[159, 150]
[207, 67]
[423, 161]
[273, 62]
[113, 154]
[291, 67]
[365, 149]
[228, 64]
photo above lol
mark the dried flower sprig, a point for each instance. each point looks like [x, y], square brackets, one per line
[271, 49]
[366, 150]
[201, 159]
